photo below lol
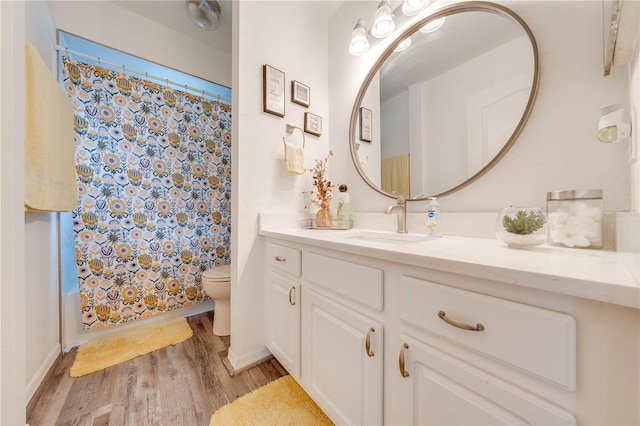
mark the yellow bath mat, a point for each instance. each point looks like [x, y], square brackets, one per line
[107, 351]
[281, 402]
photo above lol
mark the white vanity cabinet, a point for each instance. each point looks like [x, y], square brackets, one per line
[342, 346]
[341, 360]
[282, 295]
[441, 385]
[387, 337]
[440, 389]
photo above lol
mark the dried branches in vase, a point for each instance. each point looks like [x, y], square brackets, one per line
[322, 195]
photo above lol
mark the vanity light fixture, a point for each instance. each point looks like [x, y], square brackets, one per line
[383, 24]
[433, 25]
[614, 124]
[359, 42]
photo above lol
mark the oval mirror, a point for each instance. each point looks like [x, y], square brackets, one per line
[431, 119]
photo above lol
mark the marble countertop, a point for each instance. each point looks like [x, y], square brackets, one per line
[599, 275]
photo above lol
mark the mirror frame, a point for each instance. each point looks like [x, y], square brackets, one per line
[469, 6]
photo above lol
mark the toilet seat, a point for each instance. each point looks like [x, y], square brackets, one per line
[217, 273]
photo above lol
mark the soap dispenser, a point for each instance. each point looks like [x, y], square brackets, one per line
[343, 207]
[433, 216]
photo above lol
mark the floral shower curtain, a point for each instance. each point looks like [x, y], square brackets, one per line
[154, 186]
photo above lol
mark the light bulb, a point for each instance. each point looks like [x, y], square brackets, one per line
[383, 24]
[359, 43]
[412, 7]
[433, 25]
[404, 44]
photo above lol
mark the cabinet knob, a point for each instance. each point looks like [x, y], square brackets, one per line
[292, 300]
[280, 259]
[367, 343]
[403, 372]
[456, 323]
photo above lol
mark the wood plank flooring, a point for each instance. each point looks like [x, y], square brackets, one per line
[183, 384]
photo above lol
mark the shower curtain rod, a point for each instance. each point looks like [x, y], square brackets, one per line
[141, 73]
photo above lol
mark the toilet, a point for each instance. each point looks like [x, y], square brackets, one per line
[216, 283]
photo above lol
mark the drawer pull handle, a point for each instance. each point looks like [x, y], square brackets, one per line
[456, 323]
[403, 372]
[291, 299]
[367, 343]
[280, 259]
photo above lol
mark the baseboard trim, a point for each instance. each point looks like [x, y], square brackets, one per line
[42, 372]
[236, 364]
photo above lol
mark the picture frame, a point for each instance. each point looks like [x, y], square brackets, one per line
[366, 116]
[273, 90]
[300, 93]
[312, 124]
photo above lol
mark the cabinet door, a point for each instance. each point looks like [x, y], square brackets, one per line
[283, 321]
[342, 360]
[434, 388]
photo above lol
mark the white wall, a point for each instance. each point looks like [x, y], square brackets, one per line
[556, 150]
[12, 278]
[446, 101]
[41, 284]
[634, 101]
[292, 37]
[106, 23]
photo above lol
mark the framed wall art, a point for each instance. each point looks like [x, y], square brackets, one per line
[312, 124]
[300, 93]
[273, 90]
[365, 124]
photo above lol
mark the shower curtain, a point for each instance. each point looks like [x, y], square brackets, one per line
[154, 186]
[396, 175]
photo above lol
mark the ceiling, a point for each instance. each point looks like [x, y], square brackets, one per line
[173, 14]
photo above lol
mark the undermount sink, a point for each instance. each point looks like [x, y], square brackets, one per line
[389, 237]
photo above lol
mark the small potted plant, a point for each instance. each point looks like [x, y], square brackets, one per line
[522, 226]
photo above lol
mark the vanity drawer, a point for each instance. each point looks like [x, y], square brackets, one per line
[536, 340]
[360, 283]
[284, 258]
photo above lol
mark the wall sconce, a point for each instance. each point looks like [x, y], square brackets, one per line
[383, 25]
[614, 124]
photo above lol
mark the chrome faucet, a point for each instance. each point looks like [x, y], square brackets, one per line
[400, 208]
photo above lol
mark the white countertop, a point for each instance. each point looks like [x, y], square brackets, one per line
[598, 275]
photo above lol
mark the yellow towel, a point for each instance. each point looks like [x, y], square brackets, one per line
[50, 176]
[294, 159]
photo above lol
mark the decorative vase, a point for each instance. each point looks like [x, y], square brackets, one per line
[522, 226]
[323, 217]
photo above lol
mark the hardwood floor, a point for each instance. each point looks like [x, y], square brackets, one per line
[183, 384]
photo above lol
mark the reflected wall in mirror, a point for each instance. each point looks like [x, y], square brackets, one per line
[446, 109]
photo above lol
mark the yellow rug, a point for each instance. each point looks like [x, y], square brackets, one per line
[107, 351]
[281, 402]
